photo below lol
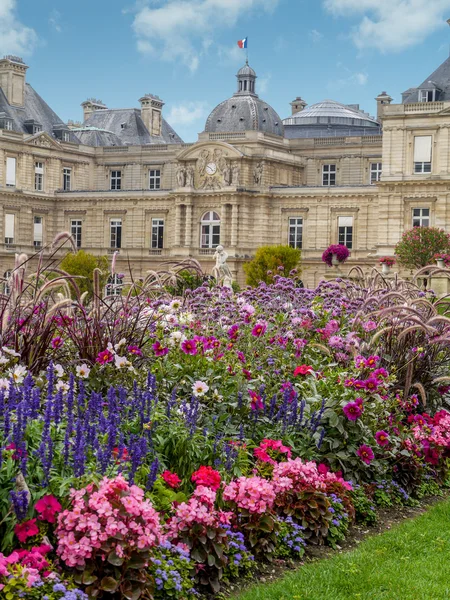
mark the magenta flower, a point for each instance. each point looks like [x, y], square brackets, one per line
[371, 384]
[382, 438]
[259, 329]
[57, 342]
[189, 347]
[353, 410]
[366, 454]
[159, 350]
[135, 350]
[104, 357]
[257, 403]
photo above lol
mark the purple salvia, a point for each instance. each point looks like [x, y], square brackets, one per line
[153, 474]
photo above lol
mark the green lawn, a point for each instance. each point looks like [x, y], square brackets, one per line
[409, 562]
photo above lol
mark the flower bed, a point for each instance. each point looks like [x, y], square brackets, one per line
[192, 439]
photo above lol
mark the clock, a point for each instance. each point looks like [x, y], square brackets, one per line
[211, 168]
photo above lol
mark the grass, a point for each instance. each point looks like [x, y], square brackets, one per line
[409, 562]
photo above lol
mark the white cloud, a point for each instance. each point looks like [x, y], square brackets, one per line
[175, 30]
[15, 37]
[315, 36]
[391, 25]
[187, 113]
[54, 20]
[352, 79]
[262, 84]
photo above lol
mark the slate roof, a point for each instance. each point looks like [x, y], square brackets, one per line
[133, 132]
[93, 136]
[35, 108]
[440, 79]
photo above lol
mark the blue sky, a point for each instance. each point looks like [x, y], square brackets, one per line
[185, 51]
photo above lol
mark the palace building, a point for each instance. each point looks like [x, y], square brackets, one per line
[123, 180]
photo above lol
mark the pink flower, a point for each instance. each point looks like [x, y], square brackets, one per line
[171, 479]
[353, 410]
[256, 403]
[25, 530]
[366, 454]
[208, 477]
[57, 342]
[303, 370]
[47, 508]
[254, 494]
[189, 347]
[135, 350]
[382, 438]
[159, 350]
[104, 357]
[259, 329]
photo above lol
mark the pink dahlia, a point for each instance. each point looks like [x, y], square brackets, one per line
[366, 454]
[353, 410]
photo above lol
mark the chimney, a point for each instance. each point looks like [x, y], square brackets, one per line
[12, 79]
[90, 106]
[297, 105]
[382, 100]
[151, 113]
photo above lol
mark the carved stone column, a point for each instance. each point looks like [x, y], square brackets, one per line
[188, 231]
[234, 225]
[177, 237]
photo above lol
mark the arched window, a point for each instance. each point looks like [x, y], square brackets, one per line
[210, 230]
[7, 283]
[114, 285]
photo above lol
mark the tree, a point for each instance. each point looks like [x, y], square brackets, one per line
[418, 246]
[83, 264]
[270, 261]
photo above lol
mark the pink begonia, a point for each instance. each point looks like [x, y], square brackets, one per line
[98, 515]
[254, 494]
[301, 474]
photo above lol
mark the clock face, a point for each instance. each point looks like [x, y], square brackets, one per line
[211, 168]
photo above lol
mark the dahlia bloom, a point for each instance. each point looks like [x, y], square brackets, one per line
[199, 388]
[259, 329]
[382, 438]
[104, 357]
[365, 453]
[353, 410]
[189, 347]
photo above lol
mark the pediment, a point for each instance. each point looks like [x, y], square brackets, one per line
[43, 140]
[201, 148]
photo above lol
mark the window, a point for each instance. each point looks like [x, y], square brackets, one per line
[7, 282]
[66, 136]
[210, 230]
[295, 232]
[154, 182]
[67, 179]
[9, 228]
[329, 175]
[114, 285]
[75, 229]
[10, 171]
[422, 154]
[38, 231]
[157, 233]
[116, 180]
[375, 172]
[420, 217]
[427, 95]
[6, 123]
[116, 233]
[345, 231]
[38, 176]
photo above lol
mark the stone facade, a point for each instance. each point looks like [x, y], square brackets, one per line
[243, 188]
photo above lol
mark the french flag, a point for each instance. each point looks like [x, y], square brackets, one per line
[242, 43]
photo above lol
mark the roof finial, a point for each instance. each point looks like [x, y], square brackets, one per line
[246, 61]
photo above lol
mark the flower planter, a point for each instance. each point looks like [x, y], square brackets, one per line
[334, 260]
[385, 268]
[440, 263]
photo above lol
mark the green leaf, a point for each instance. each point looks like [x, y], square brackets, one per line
[114, 559]
[109, 584]
[88, 577]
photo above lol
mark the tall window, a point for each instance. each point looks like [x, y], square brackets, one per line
[114, 285]
[7, 283]
[154, 177]
[10, 171]
[295, 232]
[38, 231]
[116, 180]
[75, 229]
[116, 233]
[422, 153]
[210, 230]
[67, 179]
[157, 233]
[66, 136]
[9, 228]
[375, 172]
[39, 176]
[427, 95]
[345, 231]
[329, 175]
[421, 217]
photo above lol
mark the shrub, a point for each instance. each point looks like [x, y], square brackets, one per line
[82, 264]
[418, 246]
[270, 261]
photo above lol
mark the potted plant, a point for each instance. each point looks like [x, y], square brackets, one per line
[442, 260]
[335, 255]
[386, 263]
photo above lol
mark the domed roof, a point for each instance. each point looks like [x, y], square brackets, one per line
[244, 110]
[331, 112]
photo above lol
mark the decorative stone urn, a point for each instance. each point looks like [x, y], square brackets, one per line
[440, 263]
[385, 268]
[334, 260]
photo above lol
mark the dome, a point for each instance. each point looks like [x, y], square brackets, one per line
[244, 110]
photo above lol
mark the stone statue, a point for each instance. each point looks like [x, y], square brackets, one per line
[227, 282]
[190, 177]
[221, 270]
[258, 172]
[235, 171]
[181, 176]
[227, 174]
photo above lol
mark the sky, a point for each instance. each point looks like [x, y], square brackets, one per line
[186, 52]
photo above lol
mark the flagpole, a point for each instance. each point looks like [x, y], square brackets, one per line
[247, 48]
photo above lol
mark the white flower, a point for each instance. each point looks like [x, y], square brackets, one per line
[18, 374]
[9, 351]
[185, 318]
[217, 396]
[59, 370]
[119, 344]
[176, 337]
[248, 308]
[121, 362]
[62, 385]
[110, 348]
[199, 389]
[175, 304]
[83, 371]
[3, 359]
[4, 385]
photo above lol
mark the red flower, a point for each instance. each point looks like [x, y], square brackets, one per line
[26, 530]
[171, 479]
[303, 370]
[47, 507]
[208, 477]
